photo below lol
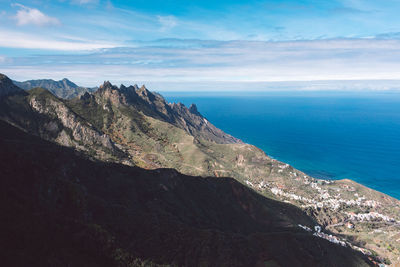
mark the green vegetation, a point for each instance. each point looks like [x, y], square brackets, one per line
[71, 211]
[135, 127]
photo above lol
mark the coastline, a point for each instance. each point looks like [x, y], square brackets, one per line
[331, 148]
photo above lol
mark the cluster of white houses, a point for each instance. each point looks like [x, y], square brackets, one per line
[319, 233]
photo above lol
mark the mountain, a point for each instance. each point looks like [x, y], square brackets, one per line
[6, 86]
[135, 127]
[63, 89]
[154, 105]
[61, 209]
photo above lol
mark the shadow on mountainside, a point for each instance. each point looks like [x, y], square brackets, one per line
[62, 209]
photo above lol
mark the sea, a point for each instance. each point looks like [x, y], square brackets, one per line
[328, 135]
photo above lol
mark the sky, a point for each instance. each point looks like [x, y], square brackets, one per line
[201, 43]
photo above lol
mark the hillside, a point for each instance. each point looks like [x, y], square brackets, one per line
[71, 211]
[135, 127]
[6, 86]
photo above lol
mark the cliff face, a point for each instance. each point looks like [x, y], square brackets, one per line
[81, 132]
[195, 124]
[134, 126]
[154, 105]
[41, 113]
[71, 211]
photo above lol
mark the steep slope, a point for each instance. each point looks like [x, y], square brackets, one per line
[6, 86]
[63, 89]
[61, 209]
[145, 131]
[154, 105]
[368, 219]
[41, 113]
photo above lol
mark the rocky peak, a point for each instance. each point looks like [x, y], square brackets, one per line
[68, 83]
[130, 89]
[193, 122]
[145, 94]
[177, 106]
[143, 90]
[106, 85]
[107, 89]
[129, 93]
[154, 105]
[193, 110]
[87, 97]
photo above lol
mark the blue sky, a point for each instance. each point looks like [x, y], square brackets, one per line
[89, 41]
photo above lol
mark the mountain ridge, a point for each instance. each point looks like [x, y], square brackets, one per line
[63, 88]
[155, 105]
[148, 132]
[91, 213]
[6, 86]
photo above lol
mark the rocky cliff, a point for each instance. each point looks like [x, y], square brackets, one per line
[154, 105]
[41, 113]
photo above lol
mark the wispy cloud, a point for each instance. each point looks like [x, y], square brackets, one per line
[167, 22]
[28, 16]
[12, 39]
[85, 2]
[174, 60]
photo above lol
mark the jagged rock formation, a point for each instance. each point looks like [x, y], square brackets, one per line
[63, 89]
[154, 105]
[134, 126]
[41, 113]
[70, 211]
[81, 132]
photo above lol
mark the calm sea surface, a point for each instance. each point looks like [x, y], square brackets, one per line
[327, 135]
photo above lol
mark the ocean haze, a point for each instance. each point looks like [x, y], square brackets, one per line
[332, 135]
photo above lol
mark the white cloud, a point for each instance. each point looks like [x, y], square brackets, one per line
[21, 40]
[167, 22]
[26, 15]
[2, 59]
[209, 61]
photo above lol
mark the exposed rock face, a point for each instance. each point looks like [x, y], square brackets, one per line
[6, 86]
[194, 123]
[112, 93]
[154, 105]
[193, 110]
[41, 113]
[80, 131]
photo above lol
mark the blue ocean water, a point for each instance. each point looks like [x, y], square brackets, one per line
[331, 135]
